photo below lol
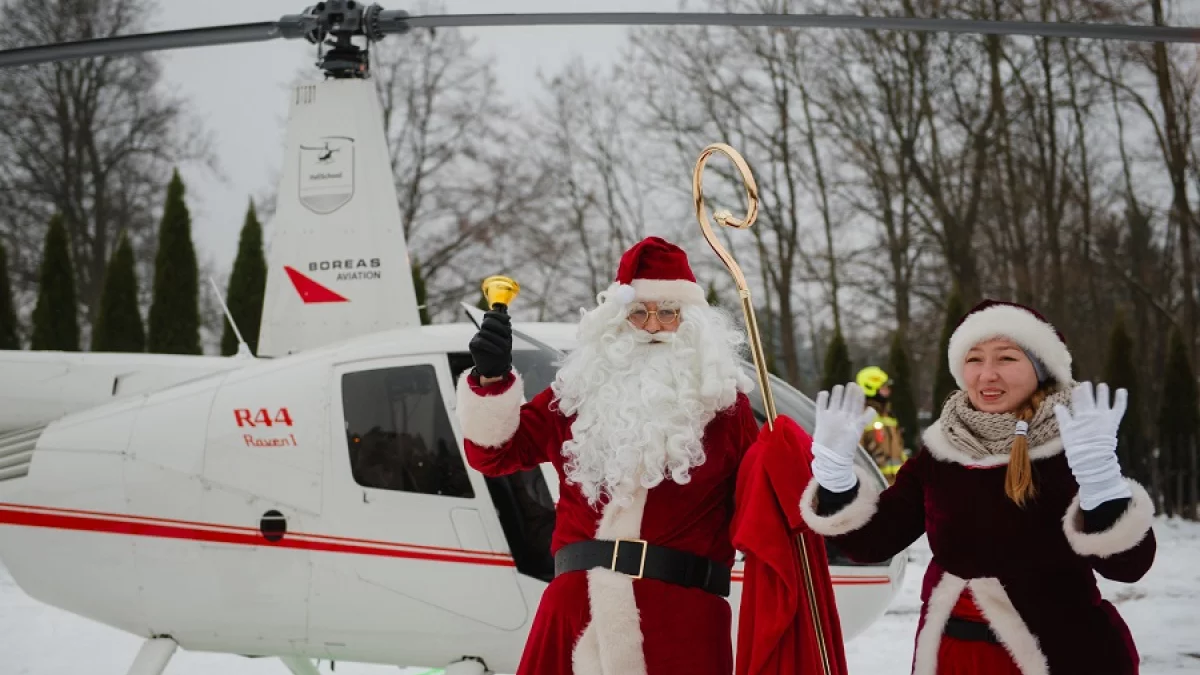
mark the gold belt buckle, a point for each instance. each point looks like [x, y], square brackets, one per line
[617, 550]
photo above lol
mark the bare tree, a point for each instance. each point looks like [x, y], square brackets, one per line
[448, 131]
[599, 198]
[89, 139]
[1176, 141]
[752, 89]
[1156, 81]
[950, 159]
[872, 117]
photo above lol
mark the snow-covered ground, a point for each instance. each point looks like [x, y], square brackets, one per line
[1163, 611]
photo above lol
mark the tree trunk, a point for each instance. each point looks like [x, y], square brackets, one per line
[787, 333]
[1052, 186]
[1156, 480]
[1019, 258]
[959, 218]
[823, 202]
[1085, 171]
[1194, 505]
[1177, 166]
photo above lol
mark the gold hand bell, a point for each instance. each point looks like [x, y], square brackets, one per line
[500, 291]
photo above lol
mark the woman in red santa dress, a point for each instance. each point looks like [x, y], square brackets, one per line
[1021, 496]
[646, 425]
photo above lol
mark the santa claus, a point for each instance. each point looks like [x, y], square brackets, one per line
[646, 424]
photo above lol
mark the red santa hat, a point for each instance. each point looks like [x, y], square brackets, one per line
[990, 319]
[655, 270]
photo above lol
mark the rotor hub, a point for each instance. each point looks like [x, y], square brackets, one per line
[333, 24]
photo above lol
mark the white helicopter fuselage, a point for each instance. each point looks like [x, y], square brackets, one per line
[160, 513]
[316, 503]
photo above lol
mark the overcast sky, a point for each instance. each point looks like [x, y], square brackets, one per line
[239, 91]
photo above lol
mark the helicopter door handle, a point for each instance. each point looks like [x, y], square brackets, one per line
[273, 525]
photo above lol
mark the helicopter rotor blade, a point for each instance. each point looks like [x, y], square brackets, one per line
[1107, 31]
[378, 22]
[289, 27]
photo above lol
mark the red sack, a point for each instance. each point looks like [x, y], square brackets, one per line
[776, 631]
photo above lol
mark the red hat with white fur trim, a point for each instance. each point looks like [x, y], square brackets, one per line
[656, 270]
[1024, 326]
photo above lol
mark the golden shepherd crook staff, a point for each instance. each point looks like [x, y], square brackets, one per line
[726, 218]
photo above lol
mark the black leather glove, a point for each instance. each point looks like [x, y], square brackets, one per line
[491, 348]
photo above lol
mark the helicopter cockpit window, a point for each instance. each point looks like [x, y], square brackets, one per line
[399, 433]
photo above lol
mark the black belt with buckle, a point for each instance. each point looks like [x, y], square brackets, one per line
[974, 631]
[637, 559]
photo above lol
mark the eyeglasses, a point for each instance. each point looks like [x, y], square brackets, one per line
[666, 315]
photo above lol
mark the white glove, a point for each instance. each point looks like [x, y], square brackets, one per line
[841, 418]
[1089, 435]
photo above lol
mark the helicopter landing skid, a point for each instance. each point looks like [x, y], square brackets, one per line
[153, 657]
[469, 665]
[299, 665]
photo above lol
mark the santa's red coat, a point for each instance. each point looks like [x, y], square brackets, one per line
[602, 622]
[1032, 570]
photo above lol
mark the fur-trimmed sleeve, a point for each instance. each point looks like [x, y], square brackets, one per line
[874, 525]
[1123, 551]
[502, 434]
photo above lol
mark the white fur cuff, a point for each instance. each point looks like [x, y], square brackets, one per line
[489, 421]
[851, 517]
[1127, 532]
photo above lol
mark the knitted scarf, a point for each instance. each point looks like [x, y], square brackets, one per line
[981, 434]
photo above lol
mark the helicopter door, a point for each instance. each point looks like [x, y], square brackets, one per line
[423, 550]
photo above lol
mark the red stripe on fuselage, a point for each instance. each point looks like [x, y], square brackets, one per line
[242, 537]
[142, 526]
[254, 533]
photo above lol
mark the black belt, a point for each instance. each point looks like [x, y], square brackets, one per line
[637, 559]
[974, 631]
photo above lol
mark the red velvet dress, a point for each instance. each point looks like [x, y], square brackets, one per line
[577, 631]
[969, 657]
[1031, 571]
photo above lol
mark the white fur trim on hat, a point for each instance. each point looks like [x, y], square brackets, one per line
[660, 290]
[624, 293]
[1017, 325]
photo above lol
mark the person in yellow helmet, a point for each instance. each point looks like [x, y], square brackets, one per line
[883, 437]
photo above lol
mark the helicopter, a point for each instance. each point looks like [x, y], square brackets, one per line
[313, 501]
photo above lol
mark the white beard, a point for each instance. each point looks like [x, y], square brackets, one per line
[641, 405]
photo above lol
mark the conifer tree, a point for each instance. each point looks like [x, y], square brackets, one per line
[247, 287]
[768, 335]
[8, 315]
[837, 363]
[904, 404]
[174, 322]
[56, 315]
[119, 322]
[1120, 373]
[943, 382]
[1178, 424]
